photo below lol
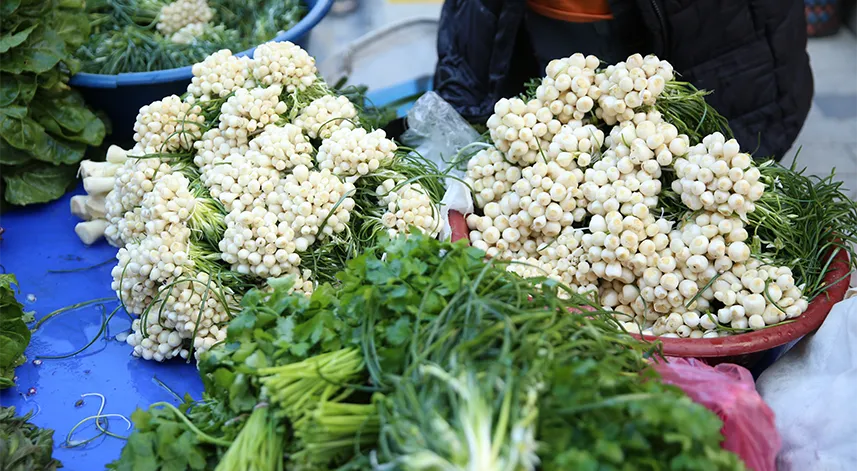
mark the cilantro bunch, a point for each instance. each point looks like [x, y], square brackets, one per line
[45, 127]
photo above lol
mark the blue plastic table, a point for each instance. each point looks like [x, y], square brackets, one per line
[40, 239]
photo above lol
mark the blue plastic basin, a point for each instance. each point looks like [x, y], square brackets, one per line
[121, 96]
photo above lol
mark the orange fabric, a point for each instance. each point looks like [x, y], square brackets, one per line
[573, 11]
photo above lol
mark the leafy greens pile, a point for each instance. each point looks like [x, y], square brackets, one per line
[45, 126]
[23, 446]
[426, 357]
[14, 334]
[124, 38]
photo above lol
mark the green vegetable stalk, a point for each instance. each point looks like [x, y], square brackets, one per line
[24, 446]
[45, 127]
[297, 386]
[259, 446]
[464, 419]
[333, 431]
[684, 106]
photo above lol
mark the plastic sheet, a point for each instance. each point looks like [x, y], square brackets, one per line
[438, 133]
[811, 390]
[728, 391]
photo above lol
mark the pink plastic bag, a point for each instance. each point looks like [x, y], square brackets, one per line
[728, 390]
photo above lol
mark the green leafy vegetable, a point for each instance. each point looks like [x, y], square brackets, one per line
[163, 441]
[14, 334]
[45, 126]
[35, 183]
[124, 37]
[423, 357]
[23, 446]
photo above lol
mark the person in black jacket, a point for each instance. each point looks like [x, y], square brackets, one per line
[750, 53]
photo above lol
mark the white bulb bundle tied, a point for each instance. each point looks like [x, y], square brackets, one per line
[568, 202]
[249, 195]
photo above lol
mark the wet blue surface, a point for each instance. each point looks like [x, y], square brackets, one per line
[41, 239]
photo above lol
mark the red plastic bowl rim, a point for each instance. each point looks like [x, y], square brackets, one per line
[740, 344]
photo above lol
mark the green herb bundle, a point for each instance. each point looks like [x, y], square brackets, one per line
[803, 221]
[177, 438]
[14, 333]
[23, 446]
[45, 126]
[125, 38]
[427, 357]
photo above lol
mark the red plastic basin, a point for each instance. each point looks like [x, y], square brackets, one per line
[743, 349]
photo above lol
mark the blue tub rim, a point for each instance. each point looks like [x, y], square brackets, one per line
[317, 11]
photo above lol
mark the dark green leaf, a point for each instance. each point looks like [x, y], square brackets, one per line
[11, 156]
[34, 8]
[37, 183]
[28, 135]
[57, 150]
[24, 446]
[7, 7]
[8, 42]
[14, 112]
[22, 133]
[14, 334]
[42, 50]
[73, 29]
[399, 332]
[68, 110]
[9, 89]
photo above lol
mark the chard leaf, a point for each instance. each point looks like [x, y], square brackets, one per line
[20, 131]
[14, 334]
[8, 42]
[67, 110]
[92, 134]
[9, 89]
[7, 7]
[37, 183]
[12, 156]
[42, 51]
[15, 112]
[57, 150]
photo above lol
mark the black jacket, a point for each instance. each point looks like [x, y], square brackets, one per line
[750, 53]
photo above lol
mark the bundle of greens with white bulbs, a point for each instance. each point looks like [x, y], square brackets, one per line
[621, 182]
[260, 170]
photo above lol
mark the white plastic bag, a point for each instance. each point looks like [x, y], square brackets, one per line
[811, 390]
[438, 133]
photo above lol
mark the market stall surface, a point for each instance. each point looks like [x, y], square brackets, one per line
[39, 246]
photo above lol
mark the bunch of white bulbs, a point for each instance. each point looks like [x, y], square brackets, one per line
[565, 201]
[239, 198]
